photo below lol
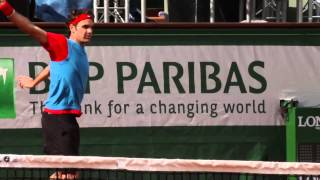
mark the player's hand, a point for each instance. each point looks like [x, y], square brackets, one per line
[25, 81]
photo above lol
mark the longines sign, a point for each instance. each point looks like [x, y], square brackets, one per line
[309, 121]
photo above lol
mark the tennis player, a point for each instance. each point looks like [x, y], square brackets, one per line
[68, 71]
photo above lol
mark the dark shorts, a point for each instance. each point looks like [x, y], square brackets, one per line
[60, 134]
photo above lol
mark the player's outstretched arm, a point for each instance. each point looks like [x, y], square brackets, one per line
[28, 82]
[23, 23]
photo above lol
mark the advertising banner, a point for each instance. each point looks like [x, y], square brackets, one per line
[142, 86]
[7, 101]
[302, 134]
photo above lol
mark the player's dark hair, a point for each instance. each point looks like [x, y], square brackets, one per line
[75, 13]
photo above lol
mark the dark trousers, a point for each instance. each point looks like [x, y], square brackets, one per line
[60, 134]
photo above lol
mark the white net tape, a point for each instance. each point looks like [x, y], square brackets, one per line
[158, 165]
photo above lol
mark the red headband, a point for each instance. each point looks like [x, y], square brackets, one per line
[81, 17]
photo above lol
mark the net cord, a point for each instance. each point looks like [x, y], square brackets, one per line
[159, 165]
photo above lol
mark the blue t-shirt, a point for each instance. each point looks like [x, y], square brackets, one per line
[68, 77]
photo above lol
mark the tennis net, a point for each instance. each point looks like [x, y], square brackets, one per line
[34, 167]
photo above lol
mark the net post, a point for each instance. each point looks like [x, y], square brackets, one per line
[288, 108]
[289, 111]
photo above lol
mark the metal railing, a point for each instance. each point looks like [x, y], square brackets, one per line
[119, 10]
[271, 10]
[104, 9]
